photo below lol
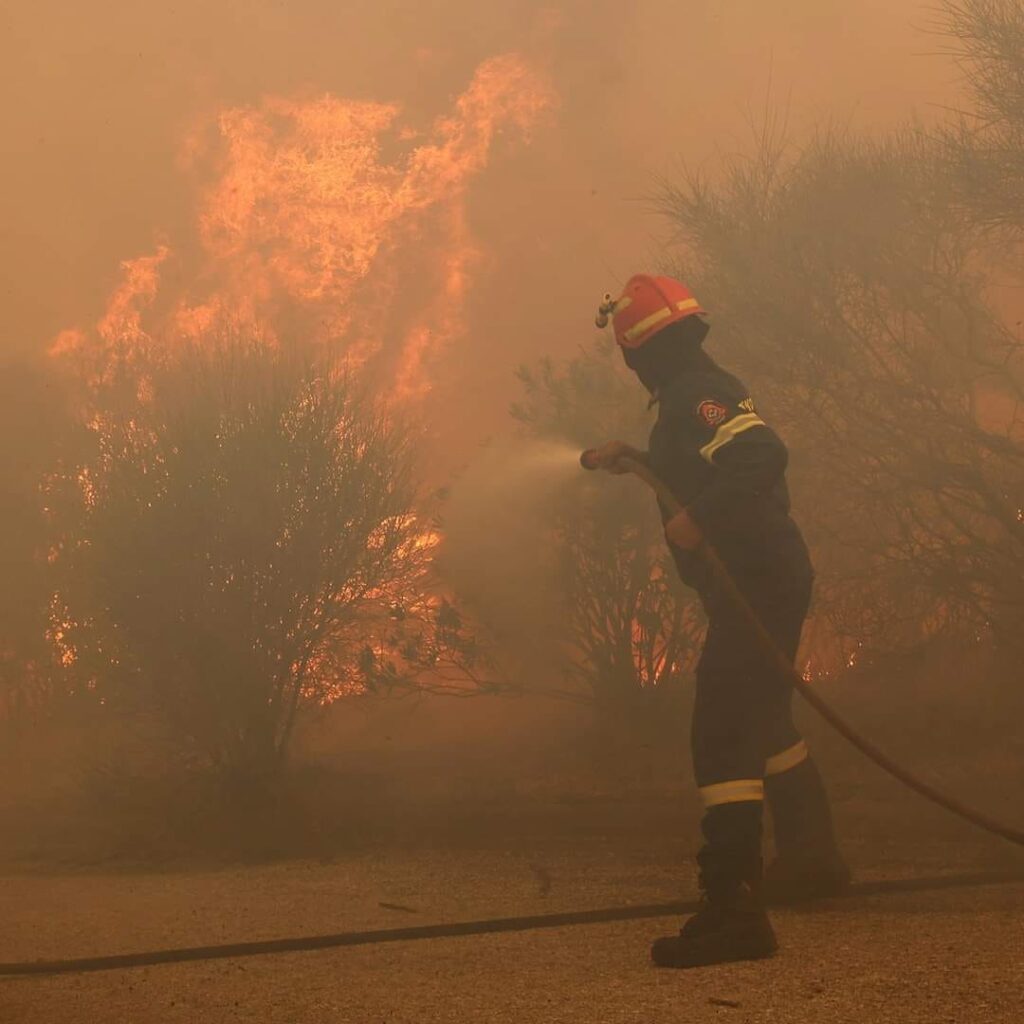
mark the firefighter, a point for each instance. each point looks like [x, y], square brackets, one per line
[726, 467]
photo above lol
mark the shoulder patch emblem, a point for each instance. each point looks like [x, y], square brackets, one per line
[712, 413]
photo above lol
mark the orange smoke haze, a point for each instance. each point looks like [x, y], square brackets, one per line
[307, 225]
[363, 169]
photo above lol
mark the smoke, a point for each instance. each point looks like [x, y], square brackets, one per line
[498, 553]
[95, 172]
[178, 163]
[161, 167]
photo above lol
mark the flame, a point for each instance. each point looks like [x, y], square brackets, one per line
[328, 218]
[327, 221]
[140, 282]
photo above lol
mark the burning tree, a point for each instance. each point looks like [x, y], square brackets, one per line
[246, 528]
[632, 631]
[246, 535]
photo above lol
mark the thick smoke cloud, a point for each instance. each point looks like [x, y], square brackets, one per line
[100, 96]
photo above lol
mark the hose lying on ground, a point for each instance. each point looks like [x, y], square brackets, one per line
[786, 668]
[458, 929]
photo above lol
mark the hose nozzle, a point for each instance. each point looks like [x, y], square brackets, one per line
[588, 459]
[605, 310]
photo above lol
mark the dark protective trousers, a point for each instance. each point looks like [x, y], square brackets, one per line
[743, 725]
[742, 712]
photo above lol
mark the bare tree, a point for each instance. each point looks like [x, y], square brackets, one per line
[983, 149]
[844, 282]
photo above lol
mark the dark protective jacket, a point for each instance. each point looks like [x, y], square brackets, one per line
[722, 462]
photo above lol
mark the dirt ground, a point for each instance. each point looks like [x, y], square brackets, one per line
[934, 956]
[940, 953]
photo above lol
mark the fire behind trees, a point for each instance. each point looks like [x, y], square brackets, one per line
[852, 283]
[229, 527]
[233, 531]
[242, 539]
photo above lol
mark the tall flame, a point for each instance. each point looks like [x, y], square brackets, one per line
[328, 217]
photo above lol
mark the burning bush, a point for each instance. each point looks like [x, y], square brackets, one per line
[244, 536]
[241, 528]
[37, 429]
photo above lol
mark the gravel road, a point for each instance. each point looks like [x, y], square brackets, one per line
[951, 954]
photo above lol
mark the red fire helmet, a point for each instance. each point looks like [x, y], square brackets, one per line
[647, 304]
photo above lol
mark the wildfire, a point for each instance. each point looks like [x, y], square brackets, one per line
[329, 218]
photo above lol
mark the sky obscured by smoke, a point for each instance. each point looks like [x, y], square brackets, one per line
[99, 97]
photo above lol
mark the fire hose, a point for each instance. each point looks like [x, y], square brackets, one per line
[787, 670]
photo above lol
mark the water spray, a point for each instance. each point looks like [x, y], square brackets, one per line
[589, 460]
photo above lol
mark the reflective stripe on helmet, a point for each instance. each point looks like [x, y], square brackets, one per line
[656, 317]
[647, 304]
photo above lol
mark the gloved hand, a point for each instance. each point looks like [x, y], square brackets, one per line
[607, 456]
[683, 532]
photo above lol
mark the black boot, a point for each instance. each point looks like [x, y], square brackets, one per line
[732, 923]
[728, 927]
[808, 864]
